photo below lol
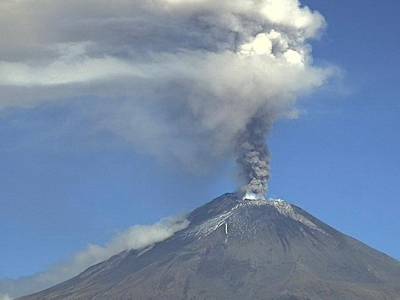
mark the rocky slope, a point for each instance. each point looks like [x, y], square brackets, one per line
[241, 249]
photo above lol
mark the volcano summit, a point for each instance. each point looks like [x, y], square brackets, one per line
[242, 249]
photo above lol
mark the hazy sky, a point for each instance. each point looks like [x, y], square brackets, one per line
[62, 187]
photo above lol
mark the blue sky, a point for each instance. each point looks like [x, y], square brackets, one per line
[62, 187]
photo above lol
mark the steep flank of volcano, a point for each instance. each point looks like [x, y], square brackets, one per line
[241, 249]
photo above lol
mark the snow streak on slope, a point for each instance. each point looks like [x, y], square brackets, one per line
[282, 207]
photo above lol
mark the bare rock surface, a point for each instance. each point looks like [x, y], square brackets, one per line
[242, 249]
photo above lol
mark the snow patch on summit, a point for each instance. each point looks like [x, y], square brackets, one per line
[287, 210]
[209, 226]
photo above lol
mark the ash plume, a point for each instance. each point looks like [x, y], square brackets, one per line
[254, 159]
[188, 81]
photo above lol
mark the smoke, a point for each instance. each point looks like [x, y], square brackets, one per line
[136, 237]
[188, 81]
[253, 157]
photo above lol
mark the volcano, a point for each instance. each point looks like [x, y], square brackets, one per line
[242, 249]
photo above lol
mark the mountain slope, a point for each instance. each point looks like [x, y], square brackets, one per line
[241, 249]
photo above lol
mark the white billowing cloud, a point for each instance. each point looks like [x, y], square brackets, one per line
[287, 13]
[261, 45]
[136, 237]
[177, 78]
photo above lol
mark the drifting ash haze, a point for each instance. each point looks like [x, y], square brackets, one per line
[134, 238]
[191, 81]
